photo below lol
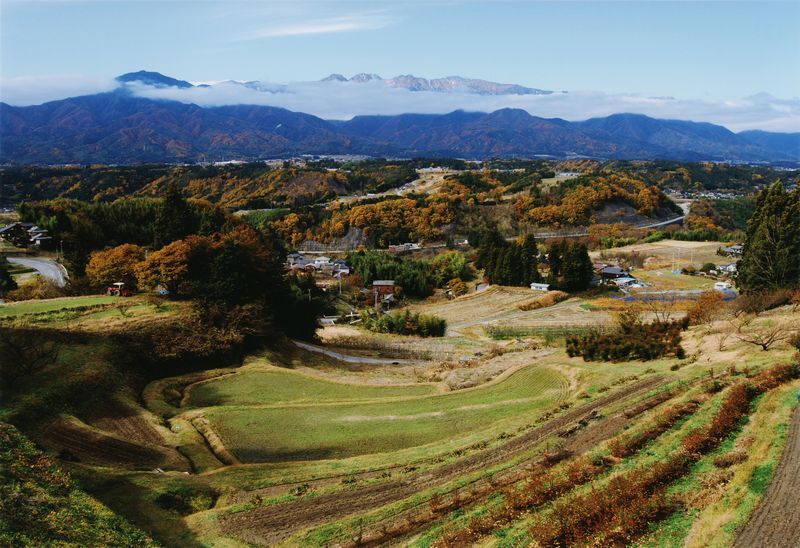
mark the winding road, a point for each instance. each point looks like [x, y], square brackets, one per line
[47, 268]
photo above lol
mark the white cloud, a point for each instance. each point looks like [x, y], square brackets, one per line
[34, 90]
[343, 100]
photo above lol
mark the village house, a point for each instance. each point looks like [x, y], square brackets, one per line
[22, 234]
[733, 251]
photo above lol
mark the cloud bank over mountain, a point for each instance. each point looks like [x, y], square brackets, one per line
[338, 98]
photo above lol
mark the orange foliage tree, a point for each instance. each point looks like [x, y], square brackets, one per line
[116, 264]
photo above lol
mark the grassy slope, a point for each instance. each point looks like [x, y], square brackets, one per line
[40, 503]
[342, 430]
[281, 386]
[51, 305]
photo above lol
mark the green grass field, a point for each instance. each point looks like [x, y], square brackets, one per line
[340, 430]
[276, 386]
[51, 305]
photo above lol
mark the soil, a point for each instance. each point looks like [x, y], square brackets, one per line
[73, 442]
[776, 521]
[271, 524]
[127, 424]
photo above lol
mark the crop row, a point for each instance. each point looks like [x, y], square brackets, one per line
[630, 502]
[545, 485]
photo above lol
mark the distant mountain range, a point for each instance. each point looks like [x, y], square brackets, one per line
[120, 127]
[448, 84]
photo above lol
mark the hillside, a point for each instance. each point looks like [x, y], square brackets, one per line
[122, 128]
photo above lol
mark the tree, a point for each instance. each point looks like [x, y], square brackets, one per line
[529, 253]
[25, 352]
[570, 266]
[175, 266]
[707, 308]
[771, 257]
[7, 282]
[764, 334]
[174, 218]
[117, 264]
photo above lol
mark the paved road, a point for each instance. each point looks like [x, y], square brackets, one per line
[347, 357]
[47, 268]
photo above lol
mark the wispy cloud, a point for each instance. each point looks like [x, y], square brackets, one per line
[329, 25]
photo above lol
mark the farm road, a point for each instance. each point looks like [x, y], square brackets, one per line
[47, 268]
[776, 521]
[348, 357]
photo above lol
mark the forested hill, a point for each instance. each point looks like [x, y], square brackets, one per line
[120, 128]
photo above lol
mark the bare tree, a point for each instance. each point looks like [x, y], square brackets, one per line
[764, 334]
[23, 353]
[663, 308]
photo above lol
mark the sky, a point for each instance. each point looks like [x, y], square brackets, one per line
[693, 57]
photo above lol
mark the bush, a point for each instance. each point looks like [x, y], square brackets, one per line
[706, 308]
[630, 342]
[38, 288]
[406, 323]
[548, 299]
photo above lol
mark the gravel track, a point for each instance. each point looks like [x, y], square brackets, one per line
[271, 524]
[776, 521]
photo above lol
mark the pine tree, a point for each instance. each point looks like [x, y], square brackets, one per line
[578, 271]
[528, 257]
[555, 258]
[771, 257]
[174, 218]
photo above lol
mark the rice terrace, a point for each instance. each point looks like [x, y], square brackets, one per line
[247, 304]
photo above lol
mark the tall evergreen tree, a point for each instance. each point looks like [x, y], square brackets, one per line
[771, 257]
[528, 257]
[555, 260]
[174, 218]
[578, 271]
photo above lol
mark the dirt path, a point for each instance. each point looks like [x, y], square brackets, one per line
[348, 358]
[776, 521]
[271, 524]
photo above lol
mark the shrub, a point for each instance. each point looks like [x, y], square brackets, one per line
[631, 341]
[38, 288]
[706, 308]
[548, 299]
[406, 323]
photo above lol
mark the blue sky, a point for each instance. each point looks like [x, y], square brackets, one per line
[709, 51]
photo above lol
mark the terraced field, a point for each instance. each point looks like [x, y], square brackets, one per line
[278, 386]
[396, 418]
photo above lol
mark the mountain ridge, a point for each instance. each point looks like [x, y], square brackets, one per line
[121, 127]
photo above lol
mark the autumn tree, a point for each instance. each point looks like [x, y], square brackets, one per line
[707, 308]
[117, 264]
[175, 266]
